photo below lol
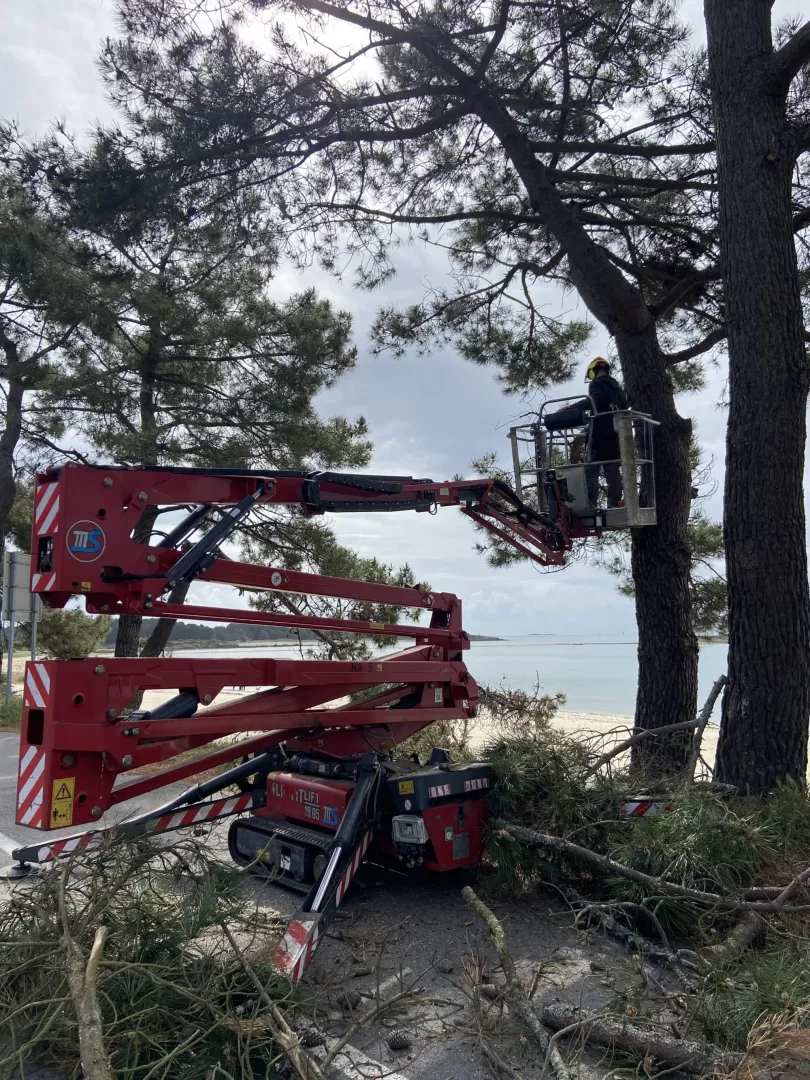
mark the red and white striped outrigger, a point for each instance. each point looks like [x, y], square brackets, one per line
[157, 821]
[294, 952]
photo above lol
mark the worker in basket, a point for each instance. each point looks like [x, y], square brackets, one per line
[607, 397]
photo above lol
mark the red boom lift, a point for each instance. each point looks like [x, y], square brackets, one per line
[316, 777]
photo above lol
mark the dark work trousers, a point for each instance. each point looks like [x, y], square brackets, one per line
[603, 455]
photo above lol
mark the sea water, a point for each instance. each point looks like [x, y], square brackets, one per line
[598, 675]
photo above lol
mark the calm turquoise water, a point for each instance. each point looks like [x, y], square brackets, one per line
[597, 675]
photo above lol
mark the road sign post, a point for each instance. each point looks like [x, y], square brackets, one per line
[19, 605]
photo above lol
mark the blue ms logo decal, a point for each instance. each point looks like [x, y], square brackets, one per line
[86, 541]
[330, 815]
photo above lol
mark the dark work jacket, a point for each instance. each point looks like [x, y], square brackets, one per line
[607, 396]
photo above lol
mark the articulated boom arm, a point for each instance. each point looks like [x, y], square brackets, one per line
[80, 736]
[85, 518]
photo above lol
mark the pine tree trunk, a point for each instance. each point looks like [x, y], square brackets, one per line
[9, 438]
[163, 628]
[128, 636]
[667, 646]
[128, 639]
[668, 652]
[12, 429]
[763, 737]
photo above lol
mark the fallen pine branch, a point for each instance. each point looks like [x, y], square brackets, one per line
[603, 864]
[634, 740]
[699, 723]
[287, 1040]
[697, 1059]
[514, 993]
[498, 1063]
[703, 720]
[602, 915]
[83, 991]
[83, 984]
[752, 925]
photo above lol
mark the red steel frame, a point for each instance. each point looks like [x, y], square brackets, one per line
[75, 740]
[80, 737]
[75, 729]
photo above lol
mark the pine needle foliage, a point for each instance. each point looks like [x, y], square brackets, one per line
[540, 783]
[735, 999]
[703, 841]
[451, 735]
[175, 1002]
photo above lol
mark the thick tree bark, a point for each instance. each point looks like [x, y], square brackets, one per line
[763, 736]
[667, 646]
[668, 650]
[127, 640]
[8, 439]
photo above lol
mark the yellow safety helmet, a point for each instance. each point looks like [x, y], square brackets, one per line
[598, 361]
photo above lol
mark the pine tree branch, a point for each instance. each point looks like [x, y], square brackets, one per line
[634, 740]
[607, 180]
[602, 864]
[650, 150]
[697, 1059]
[669, 299]
[288, 1041]
[701, 347]
[787, 62]
[515, 994]
[82, 977]
[702, 722]
[495, 40]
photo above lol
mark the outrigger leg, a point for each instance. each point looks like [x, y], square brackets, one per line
[352, 839]
[188, 808]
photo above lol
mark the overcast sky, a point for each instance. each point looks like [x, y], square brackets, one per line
[429, 416]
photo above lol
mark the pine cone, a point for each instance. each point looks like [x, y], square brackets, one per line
[399, 1040]
[348, 999]
[312, 1037]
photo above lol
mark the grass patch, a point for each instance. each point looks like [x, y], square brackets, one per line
[11, 714]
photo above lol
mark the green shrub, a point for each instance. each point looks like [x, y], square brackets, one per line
[11, 714]
[67, 633]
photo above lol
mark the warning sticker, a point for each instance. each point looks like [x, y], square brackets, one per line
[62, 802]
[406, 787]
